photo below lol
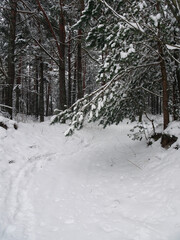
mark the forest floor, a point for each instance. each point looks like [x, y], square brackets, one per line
[96, 185]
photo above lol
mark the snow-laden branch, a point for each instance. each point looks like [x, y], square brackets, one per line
[6, 106]
[173, 47]
[77, 112]
[50, 27]
[178, 7]
[45, 51]
[117, 77]
[19, 11]
[86, 51]
[169, 47]
[147, 90]
[134, 25]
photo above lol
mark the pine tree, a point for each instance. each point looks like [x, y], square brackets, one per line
[132, 38]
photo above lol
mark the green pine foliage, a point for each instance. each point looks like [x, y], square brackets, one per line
[126, 38]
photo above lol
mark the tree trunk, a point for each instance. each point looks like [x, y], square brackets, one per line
[164, 76]
[79, 66]
[175, 117]
[69, 71]
[164, 86]
[36, 89]
[176, 56]
[152, 104]
[18, 82]
[41, 90]
[62, 84]
[178, 79]
[79, 56]
[29, 95]
[11, 56]
[84, 78]
[74, 82]
[48, 97]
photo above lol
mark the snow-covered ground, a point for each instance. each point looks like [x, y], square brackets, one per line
[96, 185]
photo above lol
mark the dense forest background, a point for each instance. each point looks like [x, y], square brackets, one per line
[103, 59]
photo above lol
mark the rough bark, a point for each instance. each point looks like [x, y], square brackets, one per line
[41, 92]
[164, 86]
[176, 56]
[79, 66]
[48, 98]
[36, 89]
[62, 36]
[74, 83]
[79, 56]
[69, 71]
[164, 76]
[175, 117]
[18, 82]
[84, 77]
[11, 56]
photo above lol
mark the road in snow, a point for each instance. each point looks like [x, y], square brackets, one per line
[96, 185]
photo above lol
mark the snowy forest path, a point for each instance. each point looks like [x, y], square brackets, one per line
[97, 184]
[28, 149]
[26, 153]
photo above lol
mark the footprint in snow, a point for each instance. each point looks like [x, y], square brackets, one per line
[11, 161]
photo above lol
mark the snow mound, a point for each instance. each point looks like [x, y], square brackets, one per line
[173, 129]
[7, 123]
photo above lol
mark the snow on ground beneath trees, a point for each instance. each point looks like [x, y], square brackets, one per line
[96, 185]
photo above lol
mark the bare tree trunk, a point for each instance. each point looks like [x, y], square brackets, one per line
[157, 104]
[79, 57]
[11, 56]
[18, 82]
[164, 76]
[36, 88]
[62, 84]
[176, 83]
[79, 66]
[84, 78]
[30, 109]
[51, 105]
[178, 79]
[48, 97]
[176, 56]
[41, 91]
[164, 86]
[74, 82]
[175, 117]
[152, 104]
[69, 71]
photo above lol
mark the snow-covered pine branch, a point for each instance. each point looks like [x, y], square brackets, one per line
[95, 104]
[134, 25]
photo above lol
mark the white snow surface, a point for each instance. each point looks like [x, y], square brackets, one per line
[96, 185]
